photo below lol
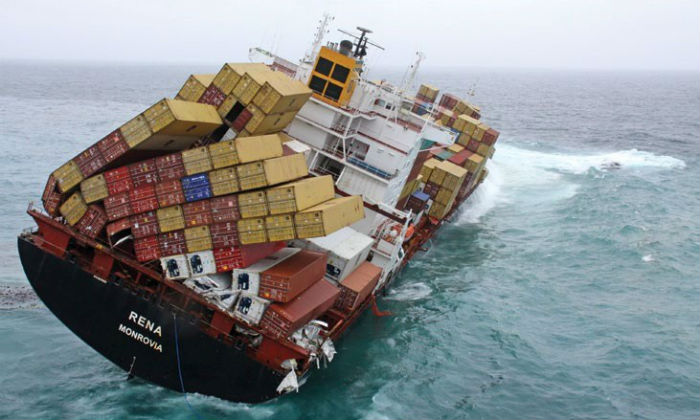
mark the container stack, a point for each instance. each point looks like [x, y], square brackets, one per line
[443, 186]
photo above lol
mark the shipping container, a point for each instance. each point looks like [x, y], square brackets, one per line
[483, 150]
[455, 148]
[67, 176]
[92, 222]
[460, 158]
[285, 168]
[196, 187]
[145, 224]
[251, 231]
[198, 238]
[94, 189]
[300, 195]
[118, 180]
[490, 137]
[146, 249]
[255, 148]
[51, 198]
[473, 146]
[224, 234]
[326, 218]
[117, 206]
[224, 209]
[280, 227]
[429, 92]
[197, 213]
[223, 154]
[446, 195]
[112, 146]
[194, 87]
[428, 167]
[197, 160]
[201, 263]
[250, 308]
[172, 243]
[356, 287]
[223, 181]
[231, 73]
[143, 199]
[118, 226]
[212, 96]
[169, 193]
[281, 320]
[252, 204]
[474, 163]
[170, 167]
[226, 106]
[417, 202]
[291, 277]
[262, 123]
[175, 267]
[242, 119]
[251, 82]
[90, 161]
[281, 94]
[431, 189]
[247, 279]
[251, 176]
[448, 101]
[135, 131]
[144, 172]
[170, 218]
[243, 256]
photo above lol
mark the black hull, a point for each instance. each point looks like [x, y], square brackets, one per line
[100, 313]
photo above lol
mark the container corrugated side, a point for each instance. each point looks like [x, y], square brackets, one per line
[171, 218]
[280, 227]
[231, 73]
[136, 131]
[255, 148]
[68, 176]
[285, 168]
[197, 160]
[223, 181]
[328, 217]
[94, 189]
[288, 279]
[247, 279]
[252, 231]
[300, 195]
[198, 238]
[223, 154]
[194, 87]
[281, 94]
[251, 176]
[357, 286]
[252, 204]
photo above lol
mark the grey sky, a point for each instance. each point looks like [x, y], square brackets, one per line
[614, 34]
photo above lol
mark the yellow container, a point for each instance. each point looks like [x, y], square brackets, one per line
[94, 189]
[223, 154]
[455, 148]
[252, 231]
[68, 176]
[136, 131]
[479, 131]
[445, 119]
[300, 195]
[444, 195]
[428, 91]
[285, 168]
[280, 227]
[198, 239]
[463, 139]
[467, 123]
[231, 73]
[170, 218]
[251, 176]
[196, 160]
[242, 133]
[254, 148]
[328, 217]
[436, 175]
[252, 204]
[281, 94]
[459, 124]
[250, 84]
[224, 181]
[484, 150]
[474, 163]
[183, 118]
[227, 105]
[73, 209]
[438, 210]
[262, 123]
[194, 87]
[428, 167]
[452, 175]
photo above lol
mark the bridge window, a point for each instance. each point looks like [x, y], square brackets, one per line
[317, 84]
[333, 91]
[340, 73]
[324, 66]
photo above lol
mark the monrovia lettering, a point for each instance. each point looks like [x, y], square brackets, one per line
[141, 338]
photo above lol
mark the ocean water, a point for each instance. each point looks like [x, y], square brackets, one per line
[563, 289]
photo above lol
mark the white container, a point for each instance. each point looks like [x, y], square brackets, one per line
[224, 299]
[247, 280]
[250, 308]
[175, 267]
[201, 263]
[347, 249]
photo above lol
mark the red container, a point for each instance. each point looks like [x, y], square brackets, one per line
[117, 206]
[146, 249]
[448, 101]
[118, 180]
[170, 167]
[224, 235]
[460, 157]
[112, 146]
[281, 320]
[241, 120]
[90, 161]
[144, 172]
[143, 199]
[51, 198]
[473, 145]
[212, 96]
[118, 226]
[228, 258]
[288, 279]
[170, 193]
[431, 189]
[355, 288]
[145, 224]
[172, 243]
[490, 137]
[224, 209]
[464, 189]
[92, 222]
[197, 213]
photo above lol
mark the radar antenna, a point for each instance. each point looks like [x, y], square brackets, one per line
[361, 42]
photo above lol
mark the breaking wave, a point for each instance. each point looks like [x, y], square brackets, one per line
[408, 292]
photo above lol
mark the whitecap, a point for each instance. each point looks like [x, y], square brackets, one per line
[408, 292]
[648, 258]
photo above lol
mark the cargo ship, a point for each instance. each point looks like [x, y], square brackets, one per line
[222, 240]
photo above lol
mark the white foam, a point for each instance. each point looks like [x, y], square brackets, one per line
[648, 258]
[408, 292]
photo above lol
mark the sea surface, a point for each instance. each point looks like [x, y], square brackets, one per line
[565, 288]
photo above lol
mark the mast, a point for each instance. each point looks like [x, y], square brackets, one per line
[321, 31]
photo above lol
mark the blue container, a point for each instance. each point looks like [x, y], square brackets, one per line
[421, 196]
[194, 181]
[196, 187]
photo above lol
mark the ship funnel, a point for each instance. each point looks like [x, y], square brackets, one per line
[346, 47]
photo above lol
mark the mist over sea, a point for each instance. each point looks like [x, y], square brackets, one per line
[564, 288]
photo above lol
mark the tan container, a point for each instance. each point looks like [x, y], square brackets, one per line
[68, 176]
[182, 118]
[445, 118]
[452, 175]
[231, 73]
[223, 154]
[474, 163]
[285, 168]
[463, 139]
[467, 123]
[194, 87]
[224, 181]
[170, 219]
[428, 167]
[252, 204]
[250, 84]
[438, 210]
[428, 91]
[94, 189]
[459, 124]
[281, 94]
[280, 227]
[455, 148]
[252, 231]
[479, 131]
[436, 175]
[328, 217]
[198, 239]
[136, 131]
[251, 176]
[197, 160]
[227, 105]
[242, 133]
[300, 195]
[484, 150]
[73, 209]
[262, 123]
[254, 148]
[444, 195]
